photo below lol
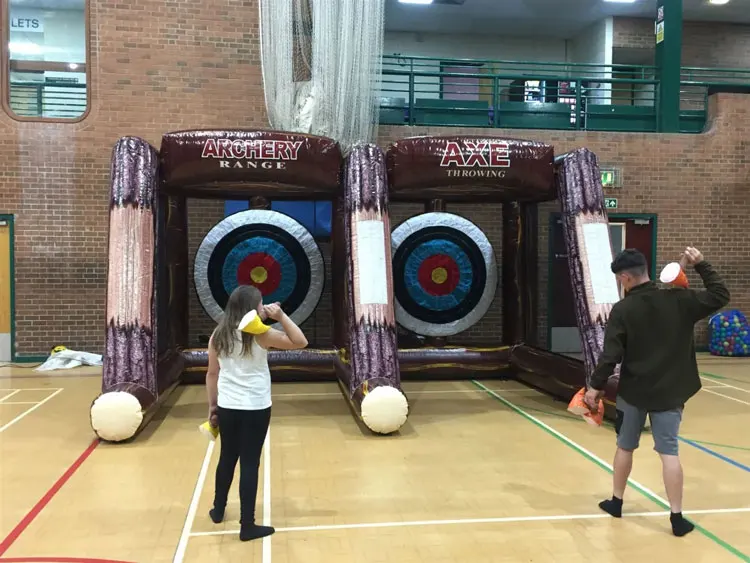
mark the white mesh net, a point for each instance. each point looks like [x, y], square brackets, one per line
[321, 63]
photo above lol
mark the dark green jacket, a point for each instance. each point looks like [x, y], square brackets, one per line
[650, 332]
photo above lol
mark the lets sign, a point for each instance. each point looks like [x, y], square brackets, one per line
[26, 21]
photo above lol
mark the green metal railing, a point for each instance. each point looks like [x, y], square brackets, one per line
[53, 99]
[718, 76]
[486, 93]
[536, 95]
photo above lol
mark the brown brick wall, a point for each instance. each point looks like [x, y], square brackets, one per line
[633, 33]
[705, 44]
[194, 64]
[716, 45]
[203, 214]
[157, 65]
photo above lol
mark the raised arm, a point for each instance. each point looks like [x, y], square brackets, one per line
[702, 303]
[292, 338]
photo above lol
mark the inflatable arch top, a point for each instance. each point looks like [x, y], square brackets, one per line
[226, 164]
[471, 169]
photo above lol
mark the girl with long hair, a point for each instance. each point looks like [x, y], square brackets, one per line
[238, 383]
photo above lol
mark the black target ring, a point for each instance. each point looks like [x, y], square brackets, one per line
[267, 249]
[246, 233]
[477, 283]
[444, 274]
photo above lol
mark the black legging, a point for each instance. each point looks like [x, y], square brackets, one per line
[242, 437]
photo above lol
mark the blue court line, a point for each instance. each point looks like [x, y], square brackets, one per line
[716, 445]
[716, 454]
[686, 440]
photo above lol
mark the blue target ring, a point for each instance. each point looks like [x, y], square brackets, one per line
[283, 264]
[464, 256]
[415, 287]
[444, 274]
[263, 248]
[268, 246]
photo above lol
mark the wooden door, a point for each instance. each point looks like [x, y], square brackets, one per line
[5, 294]
[640, 235]
[625, 232]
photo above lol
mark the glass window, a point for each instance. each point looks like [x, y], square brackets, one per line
[315, 216]
[46, 57]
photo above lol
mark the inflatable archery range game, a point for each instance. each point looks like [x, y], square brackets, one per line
[401, 297]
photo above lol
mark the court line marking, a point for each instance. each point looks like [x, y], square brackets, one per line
[715, 454]
[179, 554]
[723, 377]
[722, 384]
[9, 395]
[28, 411]
[31, 389]
[693, 443]
[46, 498]
[18, 402]
[266, 557]
[5, 374]
[57, 560]
[200, 483]
[460, 521]
[726, 396]
[717, 445]
[645, 491]
[688, 441]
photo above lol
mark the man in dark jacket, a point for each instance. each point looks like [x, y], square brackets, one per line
[650, 333]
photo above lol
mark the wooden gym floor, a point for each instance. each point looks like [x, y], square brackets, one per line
[482, 472]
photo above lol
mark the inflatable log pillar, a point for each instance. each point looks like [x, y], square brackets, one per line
[129, 385]
[373, 372]
[587, 241]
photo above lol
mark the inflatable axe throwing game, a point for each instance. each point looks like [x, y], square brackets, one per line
[430, 278]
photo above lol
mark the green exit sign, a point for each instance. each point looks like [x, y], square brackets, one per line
[611, 177]
[610, 202]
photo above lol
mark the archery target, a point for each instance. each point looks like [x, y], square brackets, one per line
[444, 274]
[266, 249]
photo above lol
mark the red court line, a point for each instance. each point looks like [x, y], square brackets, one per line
[56, 560]
[44, 501]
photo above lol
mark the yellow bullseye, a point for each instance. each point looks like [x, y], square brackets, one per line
[439, 275]
[258, 274]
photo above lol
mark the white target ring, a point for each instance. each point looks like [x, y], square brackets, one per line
[444, 274]
[266, 249]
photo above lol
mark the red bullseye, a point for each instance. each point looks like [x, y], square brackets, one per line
[261, 270]
[438, 274]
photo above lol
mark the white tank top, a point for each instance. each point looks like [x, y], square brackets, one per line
[244, 381]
